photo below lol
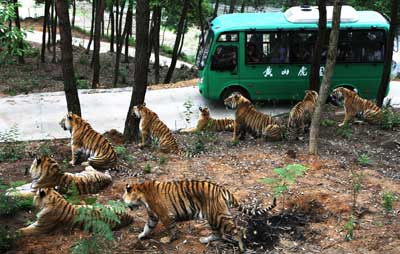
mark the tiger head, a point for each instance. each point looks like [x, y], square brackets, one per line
[44, 172]
[235, 100]
[337, 97]
[69, 121]
[47, 198]
[204, 113]
[311, 95]
[133, 196]
[138, 110]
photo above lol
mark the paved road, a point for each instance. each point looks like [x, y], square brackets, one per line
[36, 116]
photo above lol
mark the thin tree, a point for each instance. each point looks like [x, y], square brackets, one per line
[201, 25]
[128, 27]
[67, 62]
[92, 26]
[319, 44]
[243, 6]
[216, 6]
[97, 39]
[120, 39]
[54, 32]
[131, 129]
[232, 6]
[21, 59]
[179, 33]
[45, 22]
[156, 42]
[388, 54]
[323, 90]
[111, 10]
[73, 12]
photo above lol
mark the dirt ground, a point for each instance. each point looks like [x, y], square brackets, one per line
[315, 211]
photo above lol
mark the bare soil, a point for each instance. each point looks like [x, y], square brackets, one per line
[310, 219]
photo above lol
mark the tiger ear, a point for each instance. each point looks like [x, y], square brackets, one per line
[69, 115]
[144, 104]
[128, 188]
[200, 108]
[42, 193]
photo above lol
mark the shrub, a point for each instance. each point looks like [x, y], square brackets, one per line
[11, 150]
[364, 160]
[388, 200]
[7, 239]
[10, 205]
[345, 131]
[390, 119]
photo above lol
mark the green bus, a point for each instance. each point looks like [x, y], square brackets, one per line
[267, 56]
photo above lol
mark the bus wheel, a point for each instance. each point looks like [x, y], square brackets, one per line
[231, 90]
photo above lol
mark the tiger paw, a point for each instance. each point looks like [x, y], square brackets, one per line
[165, 239]
[341, 124]
[85, 164]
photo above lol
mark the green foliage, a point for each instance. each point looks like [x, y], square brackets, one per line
[364, 160]
[163, 160]
[11, 39]
[200, 141]
[123, 75]
[124, 154]
[82, 84]
[147, 168]
[11, 150]
[349, 227]
[83, 59]
[328, 122]
[7, 239]
[345, 131]
[10, 205]
[24, 87]
[390, 119]
[72, 195]
[44, 148]
[388, 200]
[96, 220]
[285, 176]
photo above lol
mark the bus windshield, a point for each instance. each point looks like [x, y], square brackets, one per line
[202, 58]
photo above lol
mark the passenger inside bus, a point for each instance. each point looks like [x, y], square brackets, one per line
[251, 53]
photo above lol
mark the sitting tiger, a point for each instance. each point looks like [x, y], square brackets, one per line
[186, 200]
[152, 127]
[301, 114]
[55, 212]
[354, 105]
[247, 118]
[89, 143]
[46, 173]
[206, 122]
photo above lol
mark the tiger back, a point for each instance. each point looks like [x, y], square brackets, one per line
[176, 201]
[354, 105]
[300, 115]
[88, 143]
[153, 127]
[55, 212]
[46, 173]
[206, 122]
[248, 119]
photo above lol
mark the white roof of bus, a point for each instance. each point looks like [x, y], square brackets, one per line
[310, 14]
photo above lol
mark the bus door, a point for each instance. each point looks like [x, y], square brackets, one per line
[224, 66]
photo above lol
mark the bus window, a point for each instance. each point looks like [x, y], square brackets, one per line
[267, 47]
[202, 58]
[224, 58]
[228, 37]
[302, 44]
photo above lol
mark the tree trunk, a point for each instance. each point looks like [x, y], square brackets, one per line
[67, 63]
[216, 6]
[177, 41]
[388, 54]
[232, 6]
[54, 32]
[120, 40]
[49, 20]
[201, 25]
[156, 44]
[128, 27]
[97, 39]
[151, 33]
[45, 20]
[21, 59]
[243, 6]
[131, 130]
[319, 44]
[73, 12]
[112, 27]
[323, 90]
[182, 40]
[91, 26]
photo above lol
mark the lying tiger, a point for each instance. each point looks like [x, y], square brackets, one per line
[152, 127]
[301, 114]
[55, 212]
[89, 143]
[186, 200]
[46, 173]
[247, 118]
[354, 105]
[206, 122]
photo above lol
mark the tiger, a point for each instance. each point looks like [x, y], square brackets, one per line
[301, 114]
[354, 105]
[185, 200]
[89, 143]
[46, 173]
[55, 212]
[206, 122]
[152, 126]
[247, 118]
